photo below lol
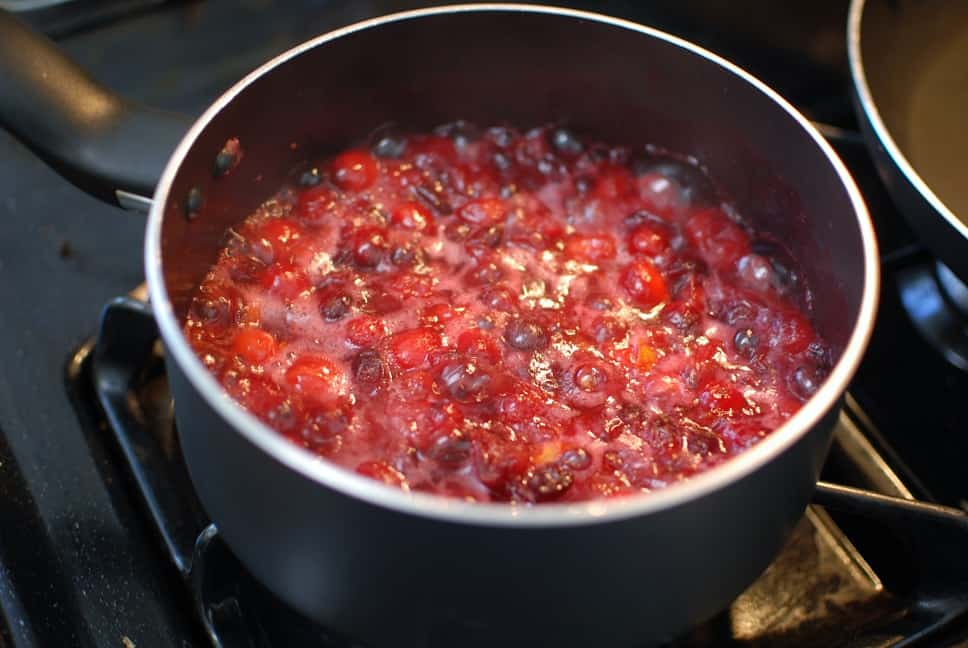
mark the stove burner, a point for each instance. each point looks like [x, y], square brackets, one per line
[937, 303]
[826, 585]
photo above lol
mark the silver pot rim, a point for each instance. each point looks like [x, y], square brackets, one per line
[331, 476]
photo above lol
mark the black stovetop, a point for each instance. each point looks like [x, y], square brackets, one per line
[80, 559]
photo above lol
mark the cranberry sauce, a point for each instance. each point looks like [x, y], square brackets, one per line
[501, 316]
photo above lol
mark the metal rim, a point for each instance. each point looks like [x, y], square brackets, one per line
[869, 108]
[503, 514]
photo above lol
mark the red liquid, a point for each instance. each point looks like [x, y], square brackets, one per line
[498, 316]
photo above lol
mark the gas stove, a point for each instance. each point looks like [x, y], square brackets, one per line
[103, 542]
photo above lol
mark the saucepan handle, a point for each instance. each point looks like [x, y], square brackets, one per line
[101, 142]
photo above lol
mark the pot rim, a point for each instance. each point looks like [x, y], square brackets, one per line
[332, 476]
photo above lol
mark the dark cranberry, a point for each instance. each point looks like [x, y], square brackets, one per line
[460, 132]
[502, 161]
[368, 368]
[246, 270]
[403, 255]
[576, 459]
[432, 199]
[309, 178]
[745, 343]
[451, 451]
[335, 307]
[465, 381]
[501, 136]
[740, 313]
[484, 275]
[640, 217]
[486, 236]
[525, 335]
[498, 298]
[697, 188]
[549, 482]
[606, 329]
[566, 143]
[389, 145]
[804, 381]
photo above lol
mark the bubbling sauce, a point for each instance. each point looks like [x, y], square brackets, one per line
[505, 316]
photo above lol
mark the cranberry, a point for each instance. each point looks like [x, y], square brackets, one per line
[498, 298]
[606, 329]
[548, 483]
[354, 170]
[660, 193]
[721, 241]
[254, 345]
[650, 239]
[465, 381]
[565, 142]
[613, 182]
[451, 451]
[410, 348]
[483, 211]
[590, 247]
[745, 342]
[317, 378]
[334, 307]
[475, 343]
[368, 368]
[804, 382]
[412, 216]
[365, 331]
[388, 145]
[644, 284]
[368, 246]
[576, 459]
[286, 281]
[525, 335]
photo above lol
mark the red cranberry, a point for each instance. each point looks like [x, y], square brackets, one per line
[483, 211]
[354, 170]
[317, 378]
[412, 216]
[590, 247]
[650, 239]
[365, 331]
[644, 284]
[254, 345]
[410, 348]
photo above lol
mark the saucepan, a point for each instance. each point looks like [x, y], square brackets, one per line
[347, 551]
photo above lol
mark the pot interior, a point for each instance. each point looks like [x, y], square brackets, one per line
[523, 68]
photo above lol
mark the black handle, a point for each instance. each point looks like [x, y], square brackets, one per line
[94, 138]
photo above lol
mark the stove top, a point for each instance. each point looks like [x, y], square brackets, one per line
[103, 543]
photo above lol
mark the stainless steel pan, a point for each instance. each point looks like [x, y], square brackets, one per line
[348, 551]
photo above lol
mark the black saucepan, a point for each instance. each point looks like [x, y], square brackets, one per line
[346, 550]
